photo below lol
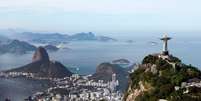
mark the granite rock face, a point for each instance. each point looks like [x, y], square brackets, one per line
[41, 66]
[40, 54]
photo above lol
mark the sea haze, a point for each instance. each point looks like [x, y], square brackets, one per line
[87, 55]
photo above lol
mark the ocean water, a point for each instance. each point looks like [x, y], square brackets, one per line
[87, 55]
[18, 89]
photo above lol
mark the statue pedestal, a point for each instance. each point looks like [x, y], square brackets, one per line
[165, 53]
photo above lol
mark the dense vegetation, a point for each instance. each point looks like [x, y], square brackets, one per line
[162, 83]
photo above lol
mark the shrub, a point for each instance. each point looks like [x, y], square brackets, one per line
[150, 59]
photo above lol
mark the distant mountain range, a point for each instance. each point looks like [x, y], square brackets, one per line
[20, 47]
[89, 37]
[16, 47]
[56, 38]
[50, 38]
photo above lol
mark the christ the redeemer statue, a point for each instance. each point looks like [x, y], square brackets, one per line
[165, 44]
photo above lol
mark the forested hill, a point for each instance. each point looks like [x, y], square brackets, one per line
[164, 78]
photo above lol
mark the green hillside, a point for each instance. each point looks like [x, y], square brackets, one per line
[164, 78]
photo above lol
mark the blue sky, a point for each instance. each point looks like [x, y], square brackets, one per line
[103, 16]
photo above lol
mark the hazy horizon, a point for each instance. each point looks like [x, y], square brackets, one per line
[152, 35]
[105, 16]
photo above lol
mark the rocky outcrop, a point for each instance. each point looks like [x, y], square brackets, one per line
[41, 66]
[40, 55]
[134, 93]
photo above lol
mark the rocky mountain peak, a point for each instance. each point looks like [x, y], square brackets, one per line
[41, 66]
[40, 55]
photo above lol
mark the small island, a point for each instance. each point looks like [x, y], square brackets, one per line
[121, 61]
